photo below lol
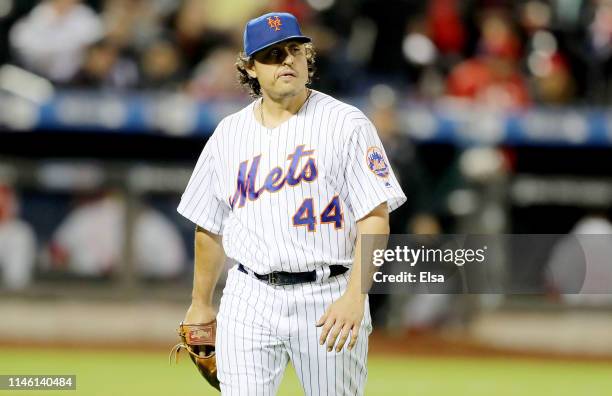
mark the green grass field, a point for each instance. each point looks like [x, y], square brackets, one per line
[115, 373]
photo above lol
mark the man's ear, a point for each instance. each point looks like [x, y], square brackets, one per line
[250, 69]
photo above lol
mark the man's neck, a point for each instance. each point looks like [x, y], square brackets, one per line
[278, 110]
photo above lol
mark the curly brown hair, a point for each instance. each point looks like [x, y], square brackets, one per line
[251, 85]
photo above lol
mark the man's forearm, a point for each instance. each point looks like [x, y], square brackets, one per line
[209, 260]
[375, 223]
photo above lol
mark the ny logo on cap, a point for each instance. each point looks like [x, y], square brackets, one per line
[274, 23]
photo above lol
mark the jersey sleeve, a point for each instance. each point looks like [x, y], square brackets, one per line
[368, 174]
[201, 201]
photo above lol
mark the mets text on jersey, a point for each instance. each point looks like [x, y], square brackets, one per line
[276, 179]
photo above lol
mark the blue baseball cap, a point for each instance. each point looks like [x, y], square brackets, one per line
[270, 29]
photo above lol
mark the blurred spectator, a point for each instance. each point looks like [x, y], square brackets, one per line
[548, 68]
[130, 24]
[302, 10]
[341, 70]
[553, 82]
[17, 243]
[162, 65]
[470, 50]
[427, 66]
[580, 266]
[91, 240]
[212, 79]
[446, 27]
[390, 21]
[492, 78]
[231, 16]
[600, 46]
[105, 68]
[194, 36]
[51, 40]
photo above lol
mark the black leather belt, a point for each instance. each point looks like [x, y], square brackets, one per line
[281, 278]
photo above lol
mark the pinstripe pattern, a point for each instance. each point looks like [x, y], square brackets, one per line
[261, 327]
[261, 233]
[256, 339]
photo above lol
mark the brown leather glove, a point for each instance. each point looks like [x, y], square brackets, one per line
[199, 340]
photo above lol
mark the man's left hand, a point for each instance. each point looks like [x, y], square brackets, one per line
[342, 317]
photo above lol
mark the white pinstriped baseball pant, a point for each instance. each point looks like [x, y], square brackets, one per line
[260, 327]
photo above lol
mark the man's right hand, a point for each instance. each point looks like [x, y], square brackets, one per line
[200, 313]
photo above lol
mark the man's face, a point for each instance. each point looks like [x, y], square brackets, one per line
[282, 69]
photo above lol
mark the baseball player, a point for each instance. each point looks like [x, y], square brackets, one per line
[286, 187]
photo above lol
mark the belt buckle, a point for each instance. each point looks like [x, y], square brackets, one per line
[273, 279]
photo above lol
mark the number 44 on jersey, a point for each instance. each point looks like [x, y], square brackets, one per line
[305, 216]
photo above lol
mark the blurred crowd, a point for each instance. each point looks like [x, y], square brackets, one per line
[89, 239]
[501, 53]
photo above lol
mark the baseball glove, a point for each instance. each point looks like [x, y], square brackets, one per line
[199, 340]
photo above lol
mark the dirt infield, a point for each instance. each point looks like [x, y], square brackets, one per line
[418, 344]
[151, 326]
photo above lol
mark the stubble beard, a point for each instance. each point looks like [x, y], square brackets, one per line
[286, 93]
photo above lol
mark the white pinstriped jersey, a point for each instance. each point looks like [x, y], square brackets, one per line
[288, 198]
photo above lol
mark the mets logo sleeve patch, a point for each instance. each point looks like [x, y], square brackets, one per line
[369, 176]
[377, 163]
